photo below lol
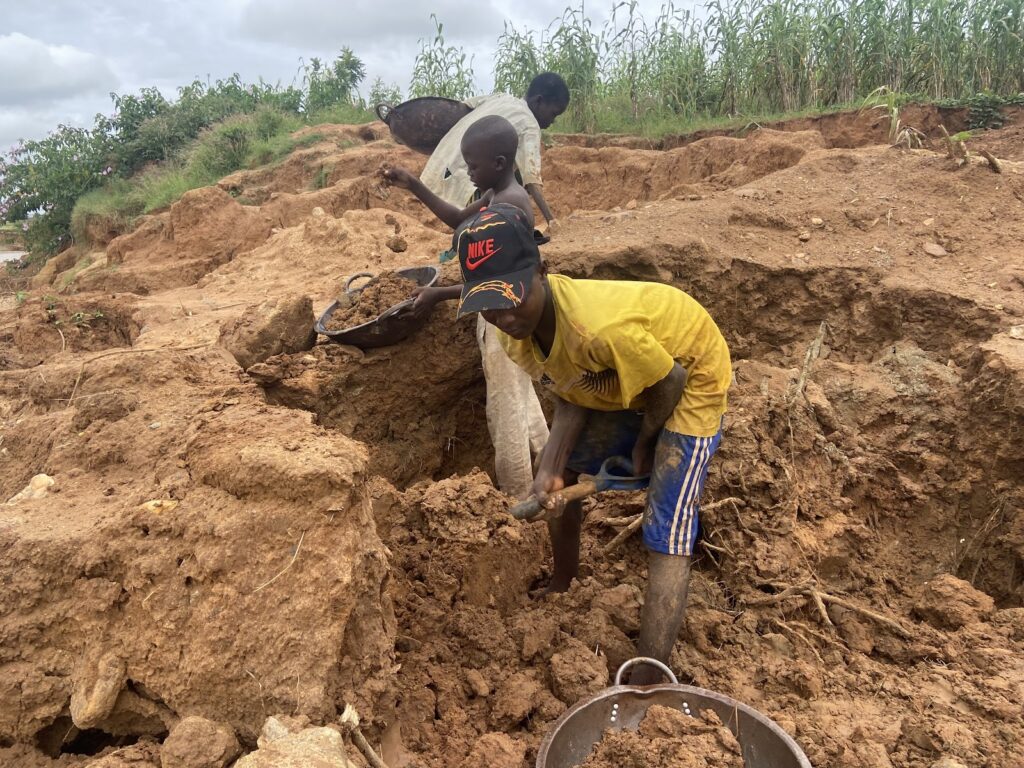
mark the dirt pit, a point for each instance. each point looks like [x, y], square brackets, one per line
[668, 738]
[269, 540]
[376, 297]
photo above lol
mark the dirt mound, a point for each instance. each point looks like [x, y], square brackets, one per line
[202, 230]
[667, 737]
[320, 531]
[588, 179]
[45, 326]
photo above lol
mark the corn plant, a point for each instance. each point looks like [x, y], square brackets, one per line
[441, 69]
[572, 49]
[517, 61]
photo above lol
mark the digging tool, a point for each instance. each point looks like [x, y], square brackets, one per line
[616, 474]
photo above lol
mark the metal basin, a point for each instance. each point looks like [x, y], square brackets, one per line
[577, 732]
[421, 123]
[392, 326]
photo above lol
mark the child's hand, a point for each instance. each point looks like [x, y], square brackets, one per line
[546, 487]
[426, 299]
[397, 176]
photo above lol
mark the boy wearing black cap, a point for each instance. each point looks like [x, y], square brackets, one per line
[637, 368]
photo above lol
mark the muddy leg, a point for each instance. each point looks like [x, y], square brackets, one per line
[565, 542]
[668, 582]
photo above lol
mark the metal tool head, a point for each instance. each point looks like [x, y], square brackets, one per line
[617, 474]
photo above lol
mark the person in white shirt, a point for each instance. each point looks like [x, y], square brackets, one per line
[547, 97]
[514, 417]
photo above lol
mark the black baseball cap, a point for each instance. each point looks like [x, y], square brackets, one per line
[498, 257]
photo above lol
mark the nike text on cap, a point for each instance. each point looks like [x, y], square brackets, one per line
[498, 257]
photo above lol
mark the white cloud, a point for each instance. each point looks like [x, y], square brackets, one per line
[330, 24]
[35, 72]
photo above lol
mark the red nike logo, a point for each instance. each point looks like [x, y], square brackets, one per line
[479, 252]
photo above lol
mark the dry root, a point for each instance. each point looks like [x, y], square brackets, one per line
[993, 163]
[819, 599]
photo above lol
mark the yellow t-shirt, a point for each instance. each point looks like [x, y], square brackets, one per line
[614, 339]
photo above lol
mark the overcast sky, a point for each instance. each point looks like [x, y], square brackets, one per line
[60, 59]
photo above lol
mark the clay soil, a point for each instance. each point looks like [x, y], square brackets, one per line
[320, 529]
[667, 738]
[379, 295]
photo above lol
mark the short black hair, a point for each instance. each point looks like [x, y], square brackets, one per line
[496, 134]
[550, 87]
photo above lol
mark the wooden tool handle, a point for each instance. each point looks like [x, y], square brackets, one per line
[532, 510]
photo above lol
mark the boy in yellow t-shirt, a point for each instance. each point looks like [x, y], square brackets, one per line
[638, 369]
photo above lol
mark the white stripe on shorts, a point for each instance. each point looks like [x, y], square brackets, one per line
[697, 458]
[692, 498]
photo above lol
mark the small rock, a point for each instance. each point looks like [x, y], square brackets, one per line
[277, 326]
[397, 244]
[804, 237]
[947, 602]
[477, 684]
[95, 692]
[934, 249]
[308, 748]
[631, 205]
[998, 306]
[37, 487]
[155, 506]
[801, 255]
[818, 222]
[155, 425]
[928, 222]
[196, 742]
[1017, 332]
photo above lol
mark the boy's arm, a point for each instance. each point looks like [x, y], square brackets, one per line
[566, 426]
[537, 193]
[660, 400]
[428, 297]
[444, 210]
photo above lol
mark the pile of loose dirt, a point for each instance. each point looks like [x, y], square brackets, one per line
[379, 295]
[667, 738]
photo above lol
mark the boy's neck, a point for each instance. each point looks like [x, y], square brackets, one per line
[504, 183]
[544, 333]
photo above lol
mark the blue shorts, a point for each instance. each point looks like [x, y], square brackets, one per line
[672, 515]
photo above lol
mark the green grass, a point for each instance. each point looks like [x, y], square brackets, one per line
[244, 141]
[343, 114]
